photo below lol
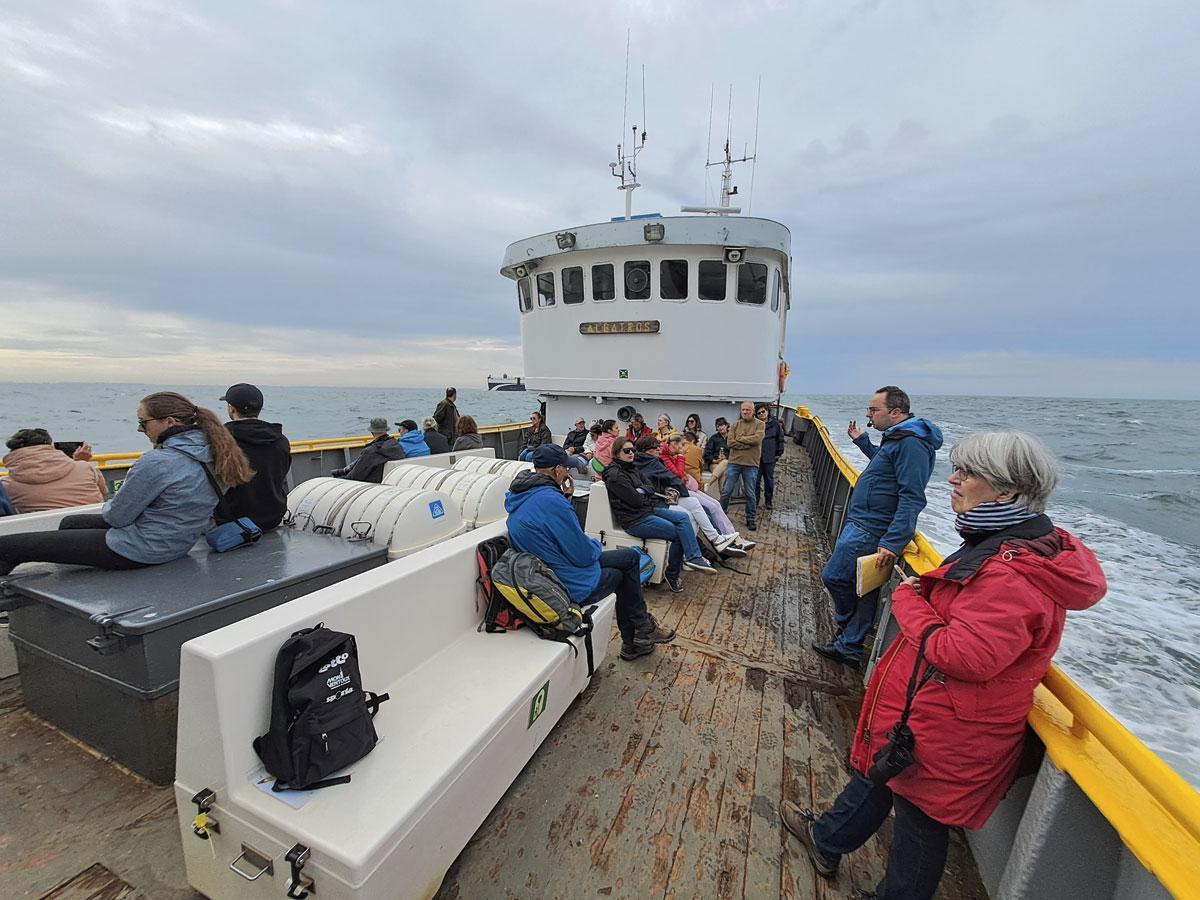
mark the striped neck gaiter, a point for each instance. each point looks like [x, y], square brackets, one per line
[991, 517]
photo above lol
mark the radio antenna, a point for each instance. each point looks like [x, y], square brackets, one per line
[625, 167]
[728, 189]
[754, 164]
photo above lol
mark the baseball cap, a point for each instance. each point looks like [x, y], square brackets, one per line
[407, 425]
[244, 396]
[547, 456]
[379, 425]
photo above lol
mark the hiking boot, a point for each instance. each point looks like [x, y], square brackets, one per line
[656, 634]
[752, 526]
[639, 647]
[799, 822]
[831, 652]
[675, 584]
[768, 505]
[700, 564]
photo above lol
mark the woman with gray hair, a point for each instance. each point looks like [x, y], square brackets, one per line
[943, 720]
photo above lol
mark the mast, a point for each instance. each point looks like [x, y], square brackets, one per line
[728, 188]
[625, 167]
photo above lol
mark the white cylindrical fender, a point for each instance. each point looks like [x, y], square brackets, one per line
[475, 463]
[416, 519]
[311, 503]
[429, 477]
[480, 497]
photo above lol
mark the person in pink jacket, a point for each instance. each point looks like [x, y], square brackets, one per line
[610, 431]
[40, 476]
[976, 637]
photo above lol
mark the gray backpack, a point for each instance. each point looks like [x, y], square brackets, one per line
[534, 592]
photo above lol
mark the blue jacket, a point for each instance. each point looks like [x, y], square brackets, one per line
[6, 507]
[891, 490]
[166, 502]
[413, 444]
[542, 521]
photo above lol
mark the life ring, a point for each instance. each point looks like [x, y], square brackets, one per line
[784, 372]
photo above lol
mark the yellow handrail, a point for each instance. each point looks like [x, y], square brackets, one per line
[1153, 810]
[106, 461]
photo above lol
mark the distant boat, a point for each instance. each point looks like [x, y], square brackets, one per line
[504, 383]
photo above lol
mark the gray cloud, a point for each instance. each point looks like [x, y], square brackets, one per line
[967, 179]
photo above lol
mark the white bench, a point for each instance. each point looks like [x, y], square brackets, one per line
[440, 460]
[462, 721]
[600, 525]
[47, 520]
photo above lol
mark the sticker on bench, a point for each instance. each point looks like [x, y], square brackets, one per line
[537, 705]
[306, 507]
[264, 781]
[436, 510]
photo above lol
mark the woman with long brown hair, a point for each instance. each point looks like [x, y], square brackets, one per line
[165, 504]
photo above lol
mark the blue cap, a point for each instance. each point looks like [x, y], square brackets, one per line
[547, 456]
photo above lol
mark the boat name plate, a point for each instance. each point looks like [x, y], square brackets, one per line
[645, 326]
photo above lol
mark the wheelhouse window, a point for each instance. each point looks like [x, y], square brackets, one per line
[545, 289]
[637, 280]
[711, 281]
[604, 282]
[673, 279]
[775, 292]
[752, 283]
[524, 294]
[572, 282]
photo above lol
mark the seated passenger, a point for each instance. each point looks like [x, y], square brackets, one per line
[637, 427]
[664, 429]
[712, 506]
[469, 437]
[589, 443]
[434, 439]
[6, 507]
[716, 448]
[542, 521]
[411, 441]
[987, 622]
[611, 431]
[165, 504]
[381, 450]
[637, 509]
[693, 456]
[264, 499]
[650, 464]
[538, 434]
[40, 476]
[693, 425]
[576, 438]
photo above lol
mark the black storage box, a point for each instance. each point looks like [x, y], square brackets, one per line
[99, 651]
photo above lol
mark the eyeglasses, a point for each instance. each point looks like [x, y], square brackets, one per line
[963, 474]
[142, 422]
[875, 409]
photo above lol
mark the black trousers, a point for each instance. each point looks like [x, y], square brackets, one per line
[79, 541]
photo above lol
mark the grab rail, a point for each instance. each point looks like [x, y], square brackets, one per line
[106, 461]
[1150, 806]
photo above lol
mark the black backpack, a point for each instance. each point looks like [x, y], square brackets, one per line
[320, 714]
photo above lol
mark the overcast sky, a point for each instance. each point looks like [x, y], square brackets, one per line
[983, 197]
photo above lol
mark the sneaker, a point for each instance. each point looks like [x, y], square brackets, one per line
[656, 633]
[745, 544]
[700, 564]
[799, 822]
[735, 549]
[675, 584]
[723, 541]
[637, 648]
[831, 652]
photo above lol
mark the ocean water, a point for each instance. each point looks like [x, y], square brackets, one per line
[1131, 491]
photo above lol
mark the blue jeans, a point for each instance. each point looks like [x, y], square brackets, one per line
[524, 455]
[854, 614]
[620, 574]
[917, 856]
[748, 475]
[766, 481]
[673, 525]
[579, 463]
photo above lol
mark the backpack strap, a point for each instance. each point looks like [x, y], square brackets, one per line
[587, 639]
[374, 700]
[316, 785]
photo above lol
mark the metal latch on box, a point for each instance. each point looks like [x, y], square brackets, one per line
[300, 885]
[204, 823]
[260, 863]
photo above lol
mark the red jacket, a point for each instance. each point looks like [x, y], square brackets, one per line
[643, 433]
[1003, 603]
[677, 464]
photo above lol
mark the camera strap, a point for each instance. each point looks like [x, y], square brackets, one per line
[918, 678]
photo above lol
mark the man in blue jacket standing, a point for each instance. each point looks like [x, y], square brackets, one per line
[542, 521]
[882, 516]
